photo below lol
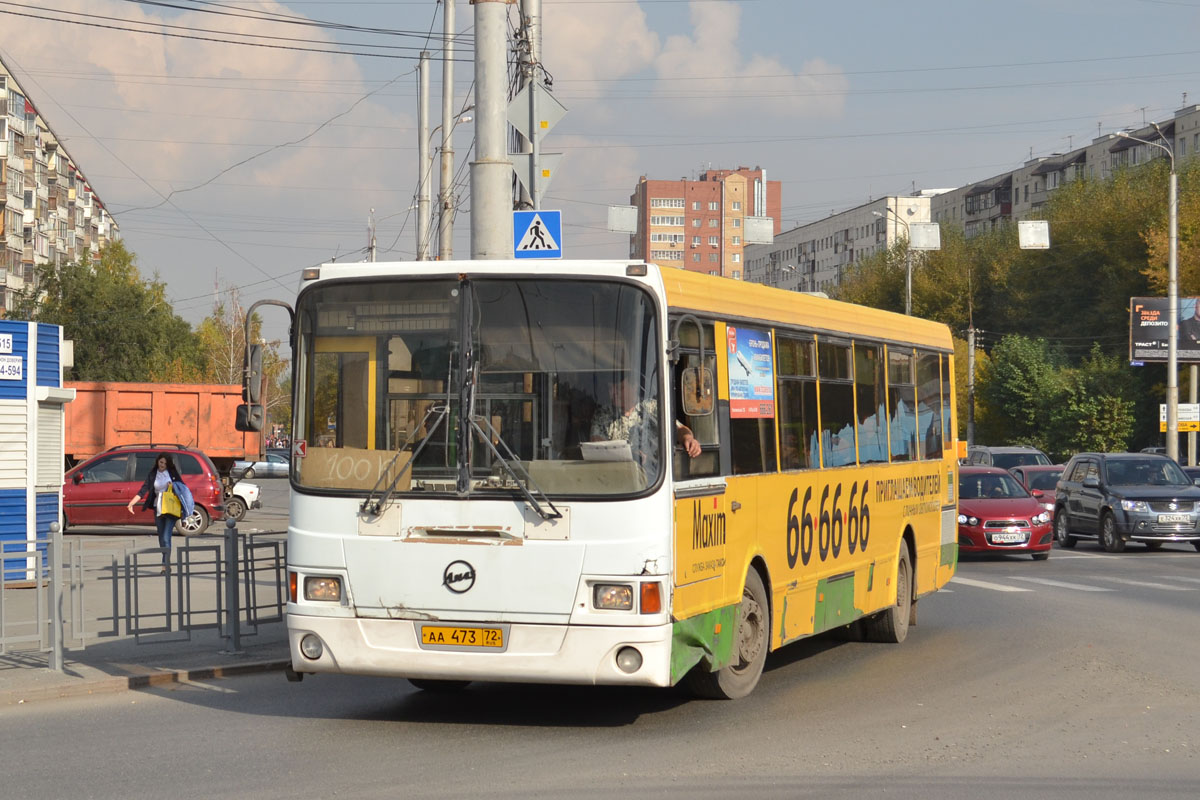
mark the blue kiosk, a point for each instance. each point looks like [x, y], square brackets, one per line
[31, 438]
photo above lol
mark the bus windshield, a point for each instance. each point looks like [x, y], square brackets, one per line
[561, 379]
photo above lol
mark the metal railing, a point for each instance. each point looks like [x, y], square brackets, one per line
[57, 596]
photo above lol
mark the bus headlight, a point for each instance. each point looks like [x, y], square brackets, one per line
[311, 647]
[612, 597]
[323, 588]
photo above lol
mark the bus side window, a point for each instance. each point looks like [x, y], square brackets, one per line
[796, 401]
[929, 405]
[705, 427]
[902, 413]
[837, 404]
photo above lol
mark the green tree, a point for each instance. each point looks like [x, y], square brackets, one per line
[1094, 411]
[1013, 389]
[122, 326]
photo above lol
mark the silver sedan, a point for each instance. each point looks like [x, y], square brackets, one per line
[274, 466]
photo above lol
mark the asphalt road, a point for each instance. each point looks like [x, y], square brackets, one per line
[1071, 678]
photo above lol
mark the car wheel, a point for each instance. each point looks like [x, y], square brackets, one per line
[235, 509]
[248, 474]
[891, 626]
[751, 639]
[1109, 537]
[1042, 556]
[194, 524]
[1062, 530]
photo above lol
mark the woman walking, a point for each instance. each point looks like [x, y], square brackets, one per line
[165, 504]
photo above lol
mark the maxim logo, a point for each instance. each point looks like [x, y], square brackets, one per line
[708, 530]
[458, 577]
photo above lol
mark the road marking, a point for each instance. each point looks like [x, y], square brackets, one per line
[1150, 584]
[995, 587]
[1064, 585]
[1179, 578]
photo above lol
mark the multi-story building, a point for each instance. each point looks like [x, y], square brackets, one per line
[1020, 193]
[814, 257]
[48, 211]
[700, 225]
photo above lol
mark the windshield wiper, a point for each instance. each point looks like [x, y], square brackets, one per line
[511, 465]
[374, 507]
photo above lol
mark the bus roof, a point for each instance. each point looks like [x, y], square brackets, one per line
[710, 294]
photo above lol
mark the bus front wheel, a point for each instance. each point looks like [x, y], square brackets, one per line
[739, 677]
[892, 625]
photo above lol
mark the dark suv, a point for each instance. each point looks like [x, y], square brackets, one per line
[96, 491]
[1006, 457]
[1123, 497]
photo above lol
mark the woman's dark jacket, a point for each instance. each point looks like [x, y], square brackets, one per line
[148, 486]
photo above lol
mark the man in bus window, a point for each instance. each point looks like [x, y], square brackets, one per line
[636, 422]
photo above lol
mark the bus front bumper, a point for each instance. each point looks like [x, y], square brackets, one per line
[574, 654]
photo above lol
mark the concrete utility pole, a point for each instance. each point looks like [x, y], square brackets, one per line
[446, 181]
[531, 10]
[527, 64]
[970, 386]
[424, 164]
[491, 171]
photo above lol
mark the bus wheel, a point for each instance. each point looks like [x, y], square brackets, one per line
[740, 676]
[432, 685]
[892, 625]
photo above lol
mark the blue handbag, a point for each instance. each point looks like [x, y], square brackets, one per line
[185, 498]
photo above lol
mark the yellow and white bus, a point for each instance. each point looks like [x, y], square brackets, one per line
[488, 481]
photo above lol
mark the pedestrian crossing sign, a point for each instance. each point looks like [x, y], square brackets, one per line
[537, 234]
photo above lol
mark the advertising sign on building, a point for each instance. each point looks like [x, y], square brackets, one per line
[1148, 329]
[751, 374]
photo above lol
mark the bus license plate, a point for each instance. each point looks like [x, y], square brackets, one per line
[462, 637]
[1174, 517]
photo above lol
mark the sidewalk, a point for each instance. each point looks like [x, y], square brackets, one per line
[122, 664]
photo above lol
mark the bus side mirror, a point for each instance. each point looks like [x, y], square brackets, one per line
[696, 391]
[249, 418]
[252, 371]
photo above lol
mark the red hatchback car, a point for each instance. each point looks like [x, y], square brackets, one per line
[1040, 480]
[97, 491]
[997, 515]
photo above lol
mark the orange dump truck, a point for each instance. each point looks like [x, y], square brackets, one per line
[198, 415]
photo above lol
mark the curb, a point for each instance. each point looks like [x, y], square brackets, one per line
[135, 682]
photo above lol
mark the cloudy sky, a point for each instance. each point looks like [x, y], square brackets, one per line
[233, 167]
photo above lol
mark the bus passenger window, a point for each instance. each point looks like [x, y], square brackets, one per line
[929, 405]
[902, 411]
[797, 404]
[872, 416]
[837, 404]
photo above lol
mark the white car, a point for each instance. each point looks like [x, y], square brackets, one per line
[242, 496]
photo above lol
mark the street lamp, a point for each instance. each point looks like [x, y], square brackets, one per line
[1172, 293]
[907, 258]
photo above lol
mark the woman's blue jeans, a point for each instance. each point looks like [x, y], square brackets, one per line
[166, 525]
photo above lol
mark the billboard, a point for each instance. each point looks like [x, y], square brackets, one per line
[1148, 329]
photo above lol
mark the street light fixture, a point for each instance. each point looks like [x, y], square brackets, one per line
[1172, 293]
[907, 258]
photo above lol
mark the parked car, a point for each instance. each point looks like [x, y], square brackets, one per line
[1006, 457]
[1193, 473]
[97, 491]
[1040, 481]
[997, 515]
[241, 497]
[1117, 498]
[273, 465]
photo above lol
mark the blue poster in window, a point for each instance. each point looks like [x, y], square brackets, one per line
[751, 370]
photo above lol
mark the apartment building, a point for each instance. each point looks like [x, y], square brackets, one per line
[814, 257]
[1021, 193]
[700, 224]
[48, 211]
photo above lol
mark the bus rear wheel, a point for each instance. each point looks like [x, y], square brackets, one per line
[891, 626]
[739, 677]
